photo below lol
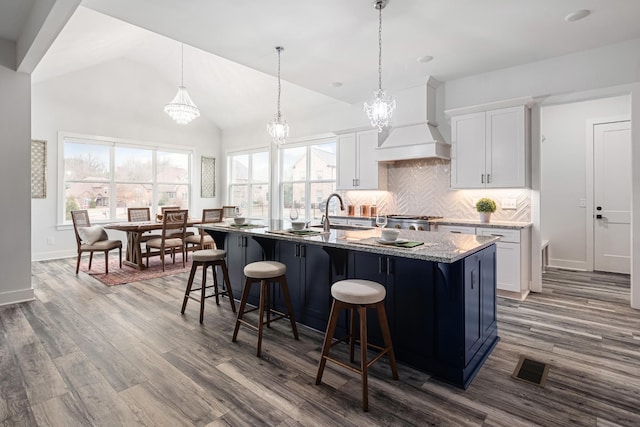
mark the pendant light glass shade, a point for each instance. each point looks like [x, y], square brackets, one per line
[278, 127]
[181, 108]
[381, 107]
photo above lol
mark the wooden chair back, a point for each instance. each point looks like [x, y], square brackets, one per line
[80, 218]
[174, 224]
[212, 215]
[169, 208]
[138, 214]
[229, 211]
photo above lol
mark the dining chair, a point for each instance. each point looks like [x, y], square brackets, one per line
[174, 226]
[164, 209]
[92, 239]
[139, 215]
[229, 211]
[204, 239]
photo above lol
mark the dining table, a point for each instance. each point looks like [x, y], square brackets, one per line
[134, 231]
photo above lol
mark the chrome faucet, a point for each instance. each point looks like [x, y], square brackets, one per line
[326, 226]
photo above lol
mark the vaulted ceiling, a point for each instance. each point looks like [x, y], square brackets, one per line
[330, 46]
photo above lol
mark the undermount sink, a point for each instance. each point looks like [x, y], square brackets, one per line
[345, 227]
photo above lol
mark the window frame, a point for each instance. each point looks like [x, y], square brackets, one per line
[112, 182]
[306, 212]
[248, 210]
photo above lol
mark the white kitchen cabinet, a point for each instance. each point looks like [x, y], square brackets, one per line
[357, 165]
[489, 149]
[513, 268]
[456, 229]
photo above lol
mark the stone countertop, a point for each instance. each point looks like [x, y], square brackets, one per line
[476, 223]
[437, 247]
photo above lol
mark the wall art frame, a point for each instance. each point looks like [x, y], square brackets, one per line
[38, 169]
[207, 177]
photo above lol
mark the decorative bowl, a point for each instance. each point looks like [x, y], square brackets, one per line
[390, 234]
[298, 225]
[239, 220]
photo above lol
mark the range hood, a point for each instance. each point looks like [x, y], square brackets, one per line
[419, 140]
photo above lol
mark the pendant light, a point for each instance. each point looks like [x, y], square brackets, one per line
[278, 127]
[381, 107]
[182, 109]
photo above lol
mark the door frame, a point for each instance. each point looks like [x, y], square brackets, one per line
[589, 216]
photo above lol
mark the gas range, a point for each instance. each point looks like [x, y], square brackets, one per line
[410, 222]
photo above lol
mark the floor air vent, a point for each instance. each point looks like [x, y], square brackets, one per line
[531, 371]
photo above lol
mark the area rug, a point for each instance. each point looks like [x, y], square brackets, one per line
[118, 276]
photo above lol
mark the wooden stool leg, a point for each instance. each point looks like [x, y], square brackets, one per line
[263, 290]
[328, 339]
[268, 303]
[227, 285]
[203, 290]
[352, 334]
[215, 284]
[243, 303]
[287, 300]
[194, 267]
[363, 357]
[106, 262]
[386, 335]
[90, 259]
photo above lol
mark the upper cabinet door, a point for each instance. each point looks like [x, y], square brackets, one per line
[358, 168]
[490, 149]
[468, 151]
[346, 178]
[368, 169]
[506, 147]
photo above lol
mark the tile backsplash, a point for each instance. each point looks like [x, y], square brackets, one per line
[421, 187]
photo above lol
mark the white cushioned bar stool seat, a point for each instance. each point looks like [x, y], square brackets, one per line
[358, 295]
[356, 291]
[265, 273]
[209, 258]
[264, 269]
[209, 255]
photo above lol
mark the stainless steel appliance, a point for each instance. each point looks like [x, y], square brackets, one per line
[410, 222]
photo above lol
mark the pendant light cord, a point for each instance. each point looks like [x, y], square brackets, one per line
[182, 65]
[279, 49]
[380, 46]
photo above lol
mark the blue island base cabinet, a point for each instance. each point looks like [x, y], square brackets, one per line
[442, 316]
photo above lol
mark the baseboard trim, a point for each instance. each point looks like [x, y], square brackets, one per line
[15, 297]
[566, 264]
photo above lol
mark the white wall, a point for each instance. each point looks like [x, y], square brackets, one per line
[15, 179]
[118, 99]
[564, 174]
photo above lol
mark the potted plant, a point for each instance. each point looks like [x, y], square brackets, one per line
[485, 206]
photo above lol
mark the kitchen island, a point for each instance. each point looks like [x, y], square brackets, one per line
[441, 295]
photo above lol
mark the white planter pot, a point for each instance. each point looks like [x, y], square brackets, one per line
[485, 217]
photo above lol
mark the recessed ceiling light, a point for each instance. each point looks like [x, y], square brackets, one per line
[336, 84]
[425, 58]
[578, 15]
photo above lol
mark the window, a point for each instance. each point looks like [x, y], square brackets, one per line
[308, 177]
[249, 183]
[107, 177]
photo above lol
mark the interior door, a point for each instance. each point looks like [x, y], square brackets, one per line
[612, 196]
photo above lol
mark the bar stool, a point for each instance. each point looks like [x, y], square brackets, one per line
[265, 272]
[352, 295]
[209, 258]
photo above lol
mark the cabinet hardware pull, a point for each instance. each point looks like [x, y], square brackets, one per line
[380, 265]
[303, 251]
[482, 179]
[389, 266]
[488, 178]
[456, 232]
[297, 251]
[498, 235]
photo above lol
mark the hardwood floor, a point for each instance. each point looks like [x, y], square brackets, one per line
[87, 354]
